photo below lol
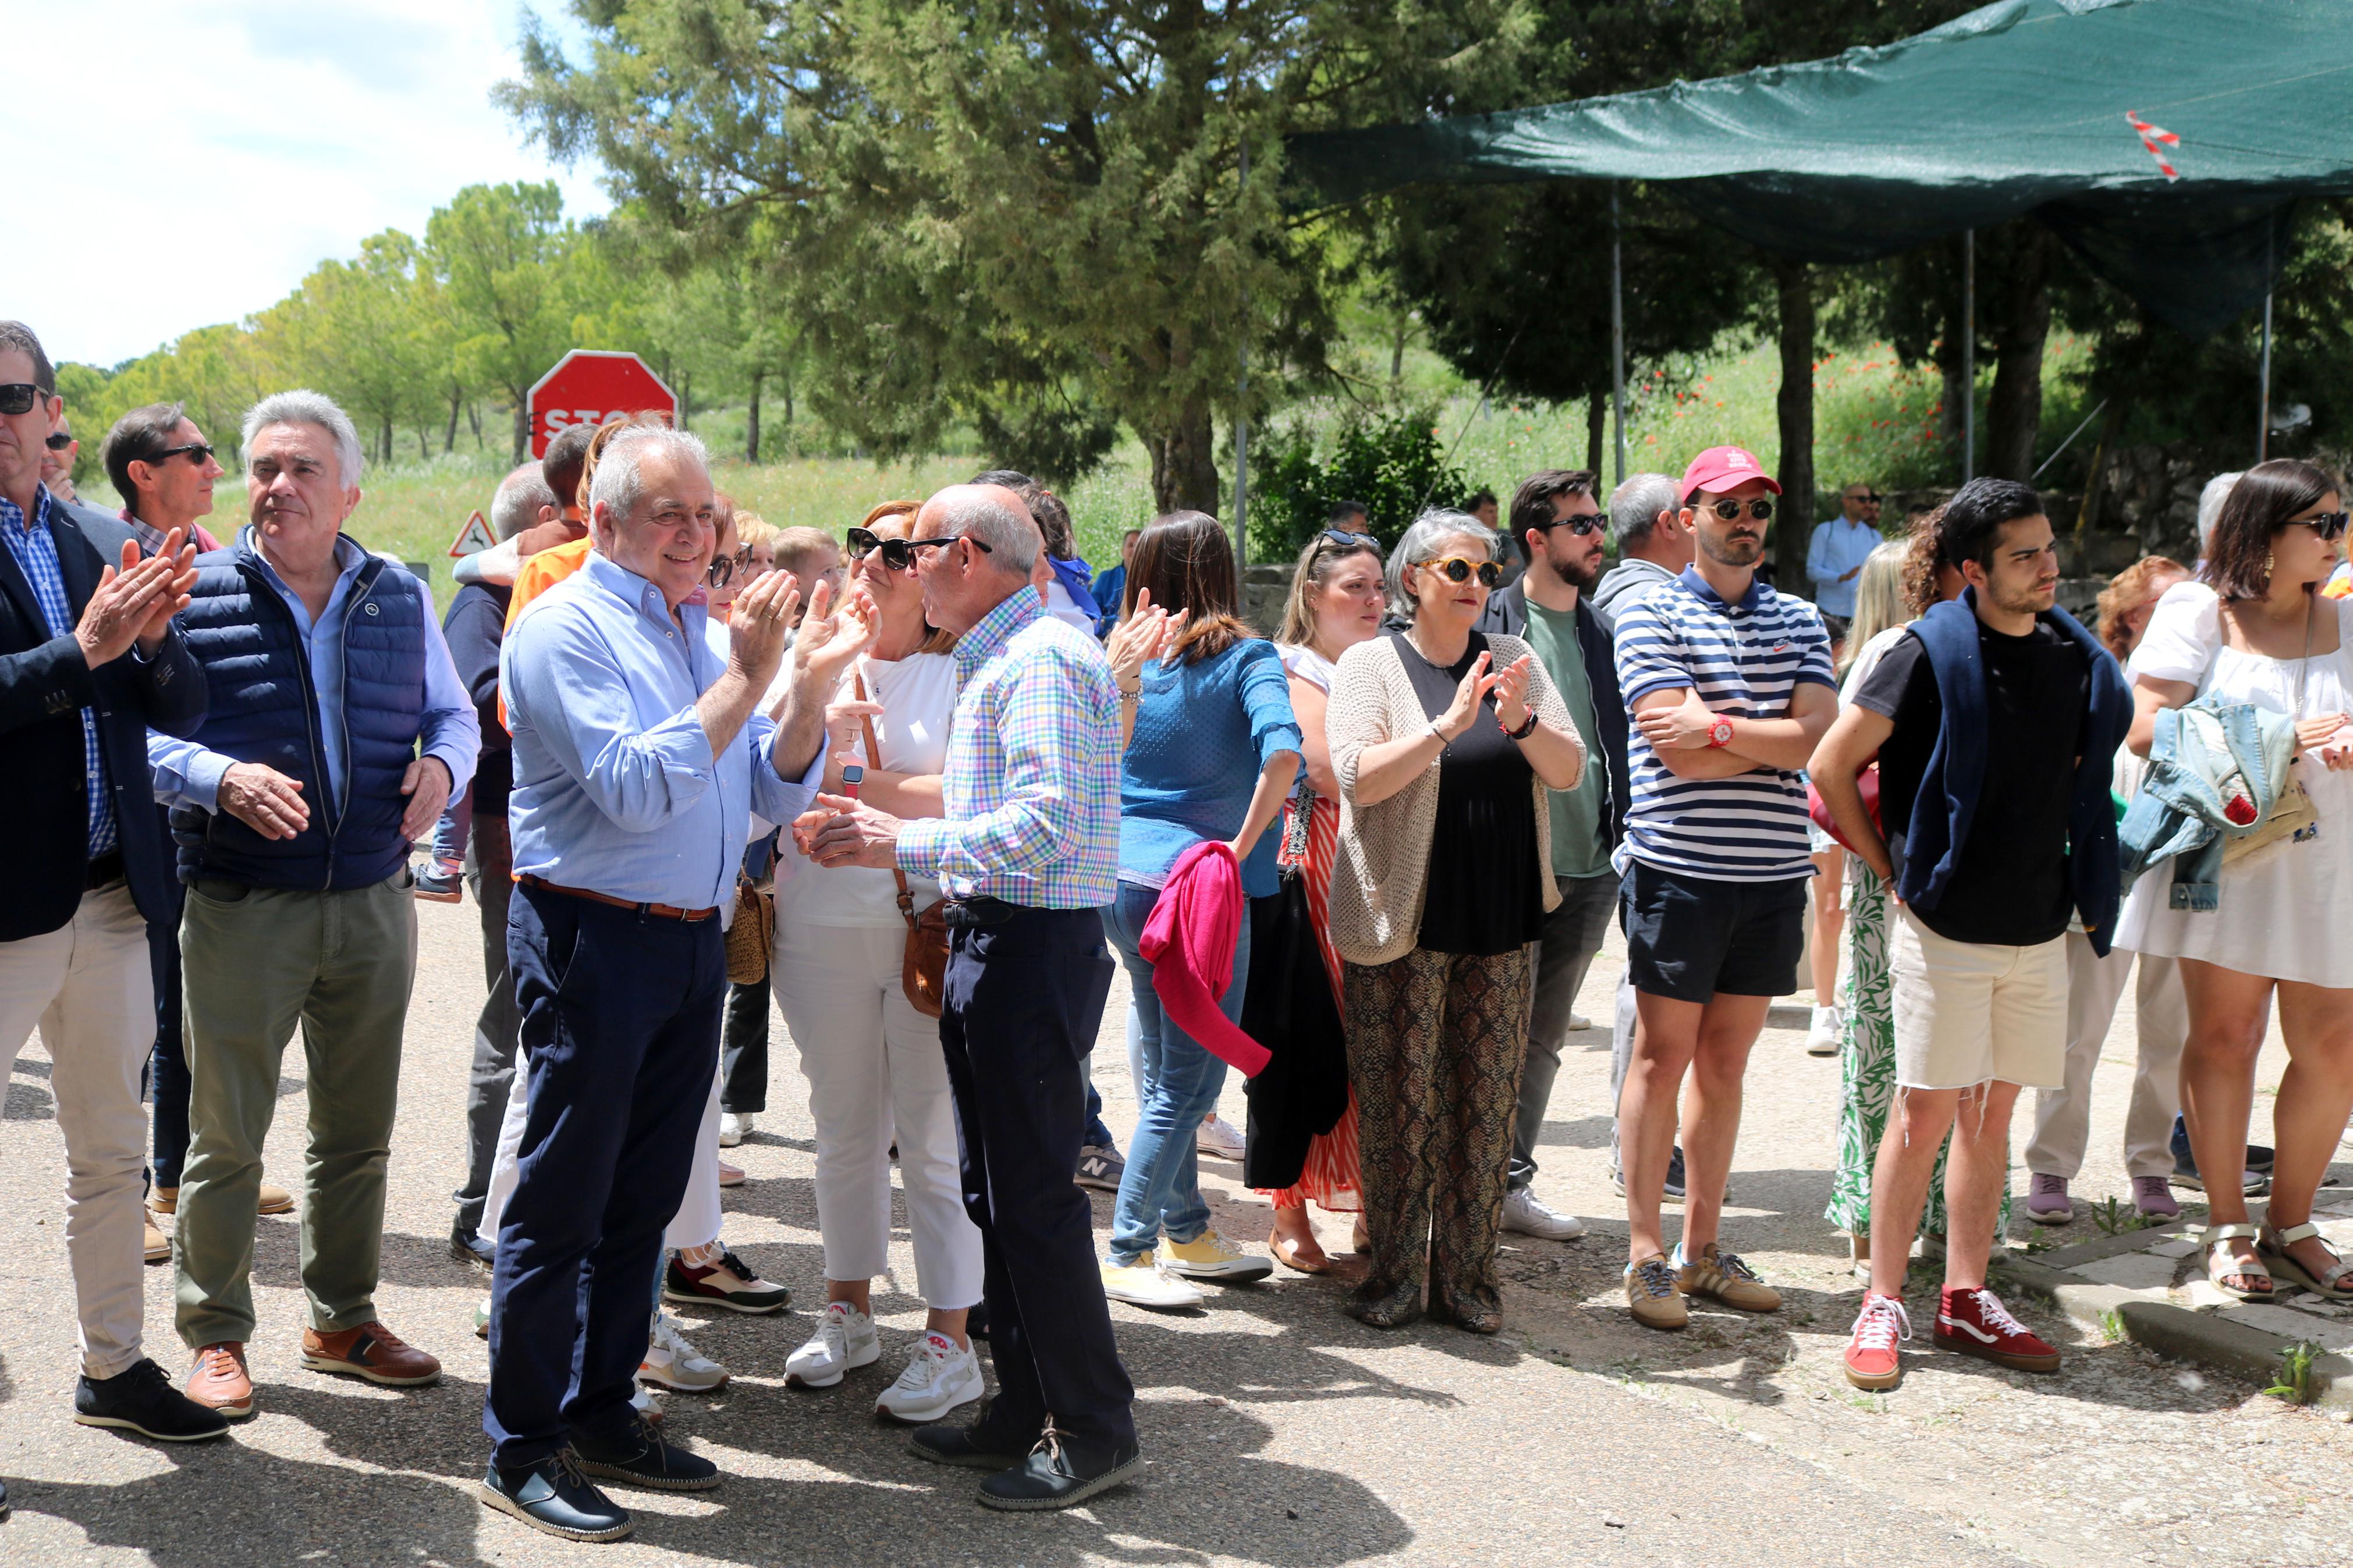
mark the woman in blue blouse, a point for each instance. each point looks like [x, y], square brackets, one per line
[1212, 750]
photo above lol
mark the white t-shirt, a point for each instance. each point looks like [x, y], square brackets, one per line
[1305, 662]
[918, 697]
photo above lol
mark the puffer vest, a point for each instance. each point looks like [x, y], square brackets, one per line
[265, 709]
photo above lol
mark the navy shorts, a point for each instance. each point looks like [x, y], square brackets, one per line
[1692, 938]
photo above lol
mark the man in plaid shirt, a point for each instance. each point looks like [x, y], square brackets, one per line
[1028, 850]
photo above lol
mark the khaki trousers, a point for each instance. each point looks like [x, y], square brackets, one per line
[87, 985]
[2062, 1117]
[259, 961]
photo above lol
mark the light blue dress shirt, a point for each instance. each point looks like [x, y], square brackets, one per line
[189, 774]
[1836, 548]
[616, 788]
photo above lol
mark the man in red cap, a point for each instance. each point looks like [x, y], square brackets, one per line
[1728, 685]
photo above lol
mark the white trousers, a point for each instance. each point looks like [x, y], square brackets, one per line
[873, 1065]
[88, 986]
[696, 1224]
[2063, 1116]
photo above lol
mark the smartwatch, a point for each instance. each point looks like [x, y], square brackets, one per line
[1719, 733]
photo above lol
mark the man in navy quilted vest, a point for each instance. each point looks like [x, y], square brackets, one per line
[338, 730]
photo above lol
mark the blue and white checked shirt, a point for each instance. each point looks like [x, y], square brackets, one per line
[1031, 782]
[36, 549]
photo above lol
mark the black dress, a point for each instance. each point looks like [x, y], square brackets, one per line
[1480, 897]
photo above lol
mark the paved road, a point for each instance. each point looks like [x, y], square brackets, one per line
[1278, 1430]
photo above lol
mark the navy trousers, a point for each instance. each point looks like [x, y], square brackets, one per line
[1023, 1002]
[620, 1025]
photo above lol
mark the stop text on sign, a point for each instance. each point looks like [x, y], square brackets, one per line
[588, 386]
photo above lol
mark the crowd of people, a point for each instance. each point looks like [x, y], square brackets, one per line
[929, 785]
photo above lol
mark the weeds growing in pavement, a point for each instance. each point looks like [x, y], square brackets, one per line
[2296, 1373]
[2112, 1324]
[2114, 1219]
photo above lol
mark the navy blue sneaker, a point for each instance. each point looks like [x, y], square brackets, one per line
[141, 1399]
[1060, 1473]
[467, 1246]
[637, 1457]
[2185, 1166]
[556, 1497]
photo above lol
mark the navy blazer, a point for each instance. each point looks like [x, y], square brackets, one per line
[45, 683]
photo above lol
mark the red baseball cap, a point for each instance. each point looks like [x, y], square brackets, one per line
[1721, 468]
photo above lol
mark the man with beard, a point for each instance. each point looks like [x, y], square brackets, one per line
[1993, 720]
[1729, 687]
[1560, 526]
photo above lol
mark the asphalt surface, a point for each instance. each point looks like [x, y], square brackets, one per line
[1276, 1430]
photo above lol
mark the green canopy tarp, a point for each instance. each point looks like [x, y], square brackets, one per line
[2027, 107]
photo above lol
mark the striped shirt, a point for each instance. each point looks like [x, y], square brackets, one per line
[36, 549]
[1031, 783]
[1746, 661]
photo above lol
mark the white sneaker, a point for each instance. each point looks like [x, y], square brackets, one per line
[1578, 1021]
[939, 1378]
[733, 1128]
[1825, 1037]
[844, 1341]
[1218, 1139]
[1209, 1255]
[674, 1364]
[1147, 1284]
[647, 1403]
[1524, 1213]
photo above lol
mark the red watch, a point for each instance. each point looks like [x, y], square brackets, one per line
[1719, 733]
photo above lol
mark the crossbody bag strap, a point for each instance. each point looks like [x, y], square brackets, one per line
[874, 757]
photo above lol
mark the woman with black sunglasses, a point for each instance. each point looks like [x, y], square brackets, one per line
[1443, 741]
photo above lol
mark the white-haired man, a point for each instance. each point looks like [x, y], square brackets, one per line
[294, 807]
[639, 755]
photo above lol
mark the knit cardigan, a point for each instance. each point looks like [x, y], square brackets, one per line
[1383, 866]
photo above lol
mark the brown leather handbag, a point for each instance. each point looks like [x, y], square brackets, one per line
[923, 971]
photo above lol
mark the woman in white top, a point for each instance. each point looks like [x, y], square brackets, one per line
[2253, 630]
[872, 1061]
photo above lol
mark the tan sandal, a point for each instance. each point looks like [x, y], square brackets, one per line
[2223, 1264]
[2334, 1282]
[1287, 1253]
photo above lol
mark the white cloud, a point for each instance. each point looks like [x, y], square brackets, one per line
[195, 162]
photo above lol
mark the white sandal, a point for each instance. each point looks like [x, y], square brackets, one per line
[2333, 1283]
[2221, 1263]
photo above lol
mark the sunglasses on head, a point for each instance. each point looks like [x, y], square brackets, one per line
[1730, 511]
[18, 396]
[59, 440]
[898, 554]
[1348, 541]
[1457, 568]
[2328, 525]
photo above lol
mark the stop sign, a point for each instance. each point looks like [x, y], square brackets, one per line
[588, 386]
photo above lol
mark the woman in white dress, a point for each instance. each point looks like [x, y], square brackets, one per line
[2252, 629]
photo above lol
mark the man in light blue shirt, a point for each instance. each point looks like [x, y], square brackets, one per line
[638, 761]
[1835, 557]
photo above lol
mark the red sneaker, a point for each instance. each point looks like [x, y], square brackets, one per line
[1872, 1360]
[1975, 1322]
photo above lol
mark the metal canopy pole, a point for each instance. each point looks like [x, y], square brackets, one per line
[2264, 398]
[1617, 334]
[1968, 354]
[1241, 417]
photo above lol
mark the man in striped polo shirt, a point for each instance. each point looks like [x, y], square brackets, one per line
[1729, 687]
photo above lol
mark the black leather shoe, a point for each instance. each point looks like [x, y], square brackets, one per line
[639, 1457]
[556, 1497]
[976, 1447]
[1060, 1473]
[142, 1400]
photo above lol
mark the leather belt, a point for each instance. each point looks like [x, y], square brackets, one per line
[659, 911]
[107, 868]
[970, 914]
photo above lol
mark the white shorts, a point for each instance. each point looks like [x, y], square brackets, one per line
[1969, 1012]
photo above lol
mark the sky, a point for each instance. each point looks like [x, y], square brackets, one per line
[193, 162]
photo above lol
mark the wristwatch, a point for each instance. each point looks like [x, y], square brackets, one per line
[1719, 733]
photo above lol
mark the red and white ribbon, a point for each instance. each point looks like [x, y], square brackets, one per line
[2153, 137]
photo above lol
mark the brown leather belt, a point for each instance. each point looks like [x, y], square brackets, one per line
[661, 911]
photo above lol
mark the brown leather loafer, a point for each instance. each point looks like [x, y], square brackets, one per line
[219, 1380]
[372, 1351]
[156, 1248]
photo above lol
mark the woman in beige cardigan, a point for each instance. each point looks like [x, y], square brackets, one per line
[1443, 741]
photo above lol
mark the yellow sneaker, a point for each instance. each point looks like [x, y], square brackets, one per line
[1145, 1283]
[1209, 1255]
[1725, 1278]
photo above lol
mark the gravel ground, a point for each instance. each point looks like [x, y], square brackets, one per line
[1277, 1431]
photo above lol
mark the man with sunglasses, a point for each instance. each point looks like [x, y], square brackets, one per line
[58, 454]
[1560, 526]
[1729, 684]
[90, 657]
[1835, 555]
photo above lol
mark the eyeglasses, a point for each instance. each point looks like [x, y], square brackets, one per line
[1762, 510]
[1591, 523]
[1458, 570]
[201, 452]
[59, 440]
[898, 554]
[18, 396]
[723, 568]
[2328, 525]
[945, 539]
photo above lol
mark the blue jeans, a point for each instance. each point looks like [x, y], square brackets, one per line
[1177, 1084]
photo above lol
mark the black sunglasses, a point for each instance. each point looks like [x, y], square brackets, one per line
[18, 396]
[2328, 525]
[945, 539]
[1347, 540]
[898, 554]
[202, 450]
[59, 440]
[1870, 498]
[1591, 523]
[1762, 510]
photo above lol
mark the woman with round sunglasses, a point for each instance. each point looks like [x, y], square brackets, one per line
[1442, 741]
[1336, 602]
[2253, 630]
[872, 1061]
